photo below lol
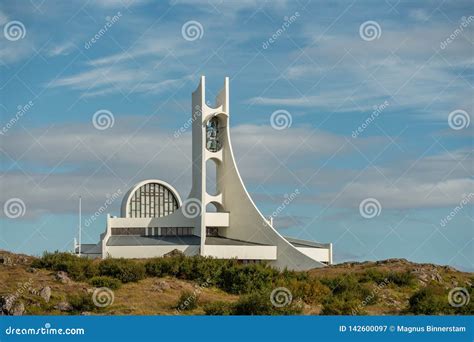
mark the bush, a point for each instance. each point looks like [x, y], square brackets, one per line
[218, 308]
[312, 291]
[104, 281]
[123, 269]
[374, 275]
[342, 306]
[401, 278]
[187, 301]
[82, 302]
[238, 279]
[349, 296]
[259, 303]
[77, 268]
[430, 300]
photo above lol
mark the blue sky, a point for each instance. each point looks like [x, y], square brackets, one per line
[328, 74]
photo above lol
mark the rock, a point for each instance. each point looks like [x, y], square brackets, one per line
[437, 277]
[31, 270]
[160, 286]
[6, 260]
[63, 306]
[86, 313]
[175, 286]
[18, 309]
[173, 253]
[63, 277]
[6, 304]
[45, 293]
[164, 285]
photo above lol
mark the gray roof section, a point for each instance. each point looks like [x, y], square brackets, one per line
[222, 241]
[89, 248]
[132, 240]
[305, 243]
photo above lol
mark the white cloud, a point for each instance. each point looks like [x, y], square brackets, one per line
[3, 18]
[433, 181]
[70, 160]
[63, 49]
[340, 71]
[80, 159]
[119, 3]
[419, 14]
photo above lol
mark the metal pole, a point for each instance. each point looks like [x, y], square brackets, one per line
[80, 225]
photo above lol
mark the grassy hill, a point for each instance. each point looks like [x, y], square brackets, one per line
[62, 284]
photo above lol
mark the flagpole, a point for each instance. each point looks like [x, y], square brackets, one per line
[80, 225]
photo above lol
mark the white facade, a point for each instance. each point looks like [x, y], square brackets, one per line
[154, 220]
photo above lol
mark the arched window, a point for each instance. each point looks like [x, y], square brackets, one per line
[152, 200]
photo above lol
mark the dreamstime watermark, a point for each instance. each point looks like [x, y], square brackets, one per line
[192, 208]
[14, 208]
[465, 22]
[459, 296]
[458, 119]
[371, 296]
[196, 115]
[21, 110]
[108, 202]
[103, 119]
[198, 288]
[103, 297]
[46, 330]
[286, 202]
[375, 114]
[192, 30]
[281, 297]
[14, 30]
[370, 30]
[282, 29]
[465, 201]
[109, 22]
[369, 208]
[281, 119]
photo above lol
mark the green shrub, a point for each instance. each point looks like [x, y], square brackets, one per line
[77, 268]
[312, 291]
[160, 267]
[341, 284]
[105, 281]
[187, 301]
[226, 274]
[430, 300]
[218, 309]
[259, 303]
[82, 302]
[349, 296]
[401, 278]
[238, 279]
[374, 275]
[123, 269]
[342, 306]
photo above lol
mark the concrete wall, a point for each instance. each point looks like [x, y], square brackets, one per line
[320, 254]
[241, 252]
[147, 251]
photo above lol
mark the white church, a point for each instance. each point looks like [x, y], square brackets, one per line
[154, 220]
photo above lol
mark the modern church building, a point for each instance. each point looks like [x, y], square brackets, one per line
[226, 224]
